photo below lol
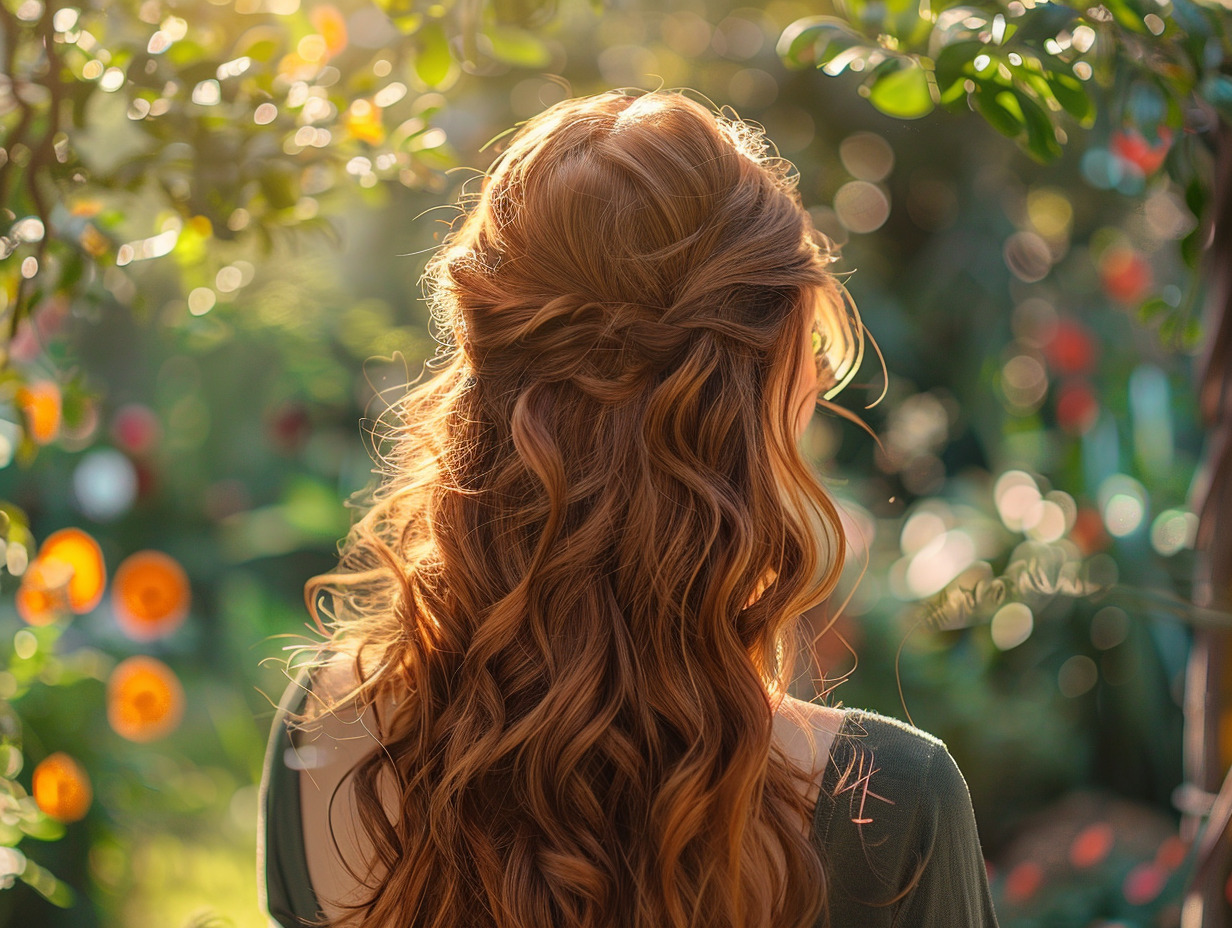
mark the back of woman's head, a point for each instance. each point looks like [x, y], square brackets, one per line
[595, 537]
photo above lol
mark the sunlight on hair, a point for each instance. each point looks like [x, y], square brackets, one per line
[614, 409]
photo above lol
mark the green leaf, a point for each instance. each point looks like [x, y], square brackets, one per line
[279, 184]
[1041, 133]
[955, 92]
[1191, 333]
[260, 44]
[434, 61]
[902, 19]
[311, 508]
[814, 40]
[407, 23]
[1127, 16]
[1152, 309]
[1169, 329]
[186, 54]
[518, 47]
[1191, 247]
[954, 65]
[993, 109]
[869, 13]
[902, 90]
[1071, 93]
[1196, 196]
[399, 11]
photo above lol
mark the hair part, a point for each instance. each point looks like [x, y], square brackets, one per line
[584, 567]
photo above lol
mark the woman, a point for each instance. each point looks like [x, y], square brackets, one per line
[554, 690]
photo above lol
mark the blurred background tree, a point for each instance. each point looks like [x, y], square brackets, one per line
[215, 215]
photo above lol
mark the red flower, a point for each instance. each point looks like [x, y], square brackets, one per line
[1023, 881]
[1077, 408]
[1071, 349]
[1088, 531]
[1131, 147]
[1124, 274]
[1091, 845]
[1144, 883]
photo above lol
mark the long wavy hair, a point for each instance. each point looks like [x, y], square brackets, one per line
[579, 581]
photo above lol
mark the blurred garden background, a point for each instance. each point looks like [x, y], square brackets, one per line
[214, 215]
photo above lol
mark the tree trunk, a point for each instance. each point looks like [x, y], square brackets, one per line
[1208, 705]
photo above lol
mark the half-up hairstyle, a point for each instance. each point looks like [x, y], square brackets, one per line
[581, 576]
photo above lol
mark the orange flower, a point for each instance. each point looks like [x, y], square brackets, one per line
[93, 241]
[150, 594]
[40, 403]
[84, 559]
[331, 26]
[61, 788]
[86, 207]
[145, 700]
[43, 596]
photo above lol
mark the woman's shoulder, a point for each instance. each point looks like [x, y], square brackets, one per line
[896, 822]
[320, 734]
[897, 744]
[896, 767]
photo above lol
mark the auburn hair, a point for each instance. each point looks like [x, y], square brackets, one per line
[575, 594]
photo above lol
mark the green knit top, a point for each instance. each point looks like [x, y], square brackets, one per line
[894, 826]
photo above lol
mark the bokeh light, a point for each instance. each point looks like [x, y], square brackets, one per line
[939, 562]
[1028, 256]
[866, 156]
[1109, 627]
[104, 484]
[861, 206]
[40, 403]
[1017, 496]
[145, 700]
[1092, 845]
[925, 524]
[1173, 531]
[42, 597]
[135, 428]
[81, 555]
[1050, 212]
[1024, 381]
[62, 788]
[150, 595]
[1077, 676]
[1122, 500]
[1011, 625]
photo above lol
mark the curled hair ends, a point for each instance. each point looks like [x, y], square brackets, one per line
[593, 536]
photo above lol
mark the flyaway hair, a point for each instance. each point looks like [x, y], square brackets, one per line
[581, 575]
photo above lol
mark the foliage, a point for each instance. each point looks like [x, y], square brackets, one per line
[1158, 74]
[21, 816]
[1023, 64]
